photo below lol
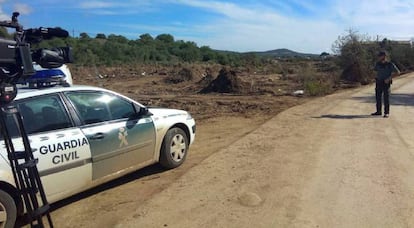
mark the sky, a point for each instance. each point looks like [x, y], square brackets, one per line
[309, 26]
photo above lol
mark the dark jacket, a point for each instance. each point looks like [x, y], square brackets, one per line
[385, 70]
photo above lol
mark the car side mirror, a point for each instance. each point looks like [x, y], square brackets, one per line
[140, 112]
[143, 111]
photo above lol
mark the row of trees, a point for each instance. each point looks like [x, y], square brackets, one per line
[115, 49]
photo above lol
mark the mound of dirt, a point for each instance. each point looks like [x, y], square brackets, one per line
[226, 82]
[184, 75]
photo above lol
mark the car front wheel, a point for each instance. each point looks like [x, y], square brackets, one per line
[174, 148]
[8, 210]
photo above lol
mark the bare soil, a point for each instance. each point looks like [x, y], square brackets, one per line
[189, 89]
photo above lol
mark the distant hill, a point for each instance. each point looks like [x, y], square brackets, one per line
[285, 53]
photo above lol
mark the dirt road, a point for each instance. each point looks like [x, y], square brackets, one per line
[322, 164]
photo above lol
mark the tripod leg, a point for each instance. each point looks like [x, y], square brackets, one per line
[25, 172]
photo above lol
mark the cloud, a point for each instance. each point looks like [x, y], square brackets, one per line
[386, 18]
[261, 25]
[22, 8]
[126, 7]
[19, 7]
[302, 25]
[3, 16]
[97, 5]
[255, 27]
[298, 24]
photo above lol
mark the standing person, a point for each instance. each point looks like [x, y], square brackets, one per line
[385, 71]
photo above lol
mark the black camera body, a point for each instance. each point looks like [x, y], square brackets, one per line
[17, 58]
[8, 53]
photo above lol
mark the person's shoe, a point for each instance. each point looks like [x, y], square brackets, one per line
[386, 115]
[376, 114]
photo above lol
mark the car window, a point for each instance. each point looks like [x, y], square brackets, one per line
[120, 108]
[44, 113]
[95, 107]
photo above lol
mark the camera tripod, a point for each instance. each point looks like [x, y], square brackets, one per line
[16, 62]
[24, 168]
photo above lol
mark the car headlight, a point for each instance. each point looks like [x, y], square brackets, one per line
[189, 117]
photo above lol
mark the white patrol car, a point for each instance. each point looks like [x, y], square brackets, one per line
[84, 136]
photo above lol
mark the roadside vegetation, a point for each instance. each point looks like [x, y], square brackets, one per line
[357, 54]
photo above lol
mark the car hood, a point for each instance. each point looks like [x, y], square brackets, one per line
[165, 112]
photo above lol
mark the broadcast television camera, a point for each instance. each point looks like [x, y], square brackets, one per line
[17, 58]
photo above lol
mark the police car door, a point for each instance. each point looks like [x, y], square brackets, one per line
[119, 139]
[63, 151]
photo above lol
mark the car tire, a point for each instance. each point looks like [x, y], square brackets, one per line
[174, 148]
[8, 210]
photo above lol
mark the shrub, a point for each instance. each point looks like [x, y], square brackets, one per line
[356, 56]
[317, 88]
[316, 84]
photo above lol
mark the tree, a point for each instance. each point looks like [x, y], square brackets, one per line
[84, 35]
[117, 38]
[251, 59]
[146, 38]
[165, 38]
[356, 56]
[119, 50]
[100, 36]
[385, 44]
[207, 54]
[189, 52]
[222, 59]
[324, 54]
[4, 33]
